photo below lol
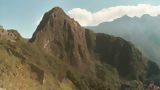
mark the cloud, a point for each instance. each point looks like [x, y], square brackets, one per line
[81, 15]
[87, 18]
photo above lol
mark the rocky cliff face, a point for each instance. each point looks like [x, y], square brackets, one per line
[60, 44]
[121, 54]
[10, 35]
[62, 36]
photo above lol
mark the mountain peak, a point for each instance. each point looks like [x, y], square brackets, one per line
[58, 33]
[126, 16]
[54, 16]
[57, 11]
[146, 16]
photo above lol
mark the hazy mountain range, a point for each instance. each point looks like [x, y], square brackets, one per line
[62, 55]
[143, 31]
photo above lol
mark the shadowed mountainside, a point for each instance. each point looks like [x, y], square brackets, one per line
[143, 32]
[62, 55]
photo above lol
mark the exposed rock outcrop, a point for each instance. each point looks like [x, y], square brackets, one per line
[121, 54]
[61, 35]
[10, 35]
[67, 56]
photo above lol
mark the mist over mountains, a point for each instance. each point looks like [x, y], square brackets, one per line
[143, 31]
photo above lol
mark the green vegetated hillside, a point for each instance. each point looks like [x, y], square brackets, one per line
[62, 55]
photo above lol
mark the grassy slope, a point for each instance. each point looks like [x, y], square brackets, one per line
[16, 57]
[15, 72]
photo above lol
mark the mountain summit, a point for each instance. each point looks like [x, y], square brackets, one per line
[61, 35]
[62, 55]
[141, 31]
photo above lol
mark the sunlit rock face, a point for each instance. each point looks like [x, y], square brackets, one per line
[61, 35]
[10, 35]
[62, 55]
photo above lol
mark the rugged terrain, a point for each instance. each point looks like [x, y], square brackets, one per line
[62, 55]
[143, 32]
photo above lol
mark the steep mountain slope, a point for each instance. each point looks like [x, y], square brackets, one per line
[26, 67]
[64, 37]
[143, 32]
[122, 55]
[62, 55]
[67, 40]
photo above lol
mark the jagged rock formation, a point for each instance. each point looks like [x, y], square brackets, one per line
[121, 54]
[11, 35]
[140, 31]
[62, 55]
[61, 35]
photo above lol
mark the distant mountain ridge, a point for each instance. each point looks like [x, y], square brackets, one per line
[143, 31]
[62, 55]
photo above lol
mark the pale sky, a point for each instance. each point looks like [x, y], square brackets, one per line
[23, 15]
